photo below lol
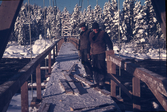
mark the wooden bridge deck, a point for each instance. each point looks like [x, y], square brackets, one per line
[82, 97]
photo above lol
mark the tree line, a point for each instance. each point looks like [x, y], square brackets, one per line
[137, 23]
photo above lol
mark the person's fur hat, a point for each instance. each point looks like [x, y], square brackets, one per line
[95, 25]
[82, 24]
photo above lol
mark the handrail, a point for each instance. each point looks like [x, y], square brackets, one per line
[9, 88]
[156, 83]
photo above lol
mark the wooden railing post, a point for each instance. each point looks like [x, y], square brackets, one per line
[54, 54]
[111, 69]
[136, 94]
[38, 81]
[56, 49]
[49, 63]
[24, 97]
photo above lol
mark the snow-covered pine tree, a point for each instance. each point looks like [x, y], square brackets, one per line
[139, 32]
[155, 35]
[89, 17]
[58, 24]
[152, 22]
[128, 18]
[108, 17]
[21, 24]
[83, 16]
[44, 14]
[114, 25]
[53, 23]
[98, 15]
[75, 20]
[50, 20]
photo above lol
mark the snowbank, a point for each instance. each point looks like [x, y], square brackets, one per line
[15, 50]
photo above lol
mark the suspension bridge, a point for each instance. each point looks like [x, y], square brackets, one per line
[67, 90]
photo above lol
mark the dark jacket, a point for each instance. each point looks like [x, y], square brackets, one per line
[99, 41]
[84, 40]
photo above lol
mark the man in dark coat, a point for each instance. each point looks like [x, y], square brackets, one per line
[98, 41]
[84, 47]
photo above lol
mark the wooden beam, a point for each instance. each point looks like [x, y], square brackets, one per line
[156, 81]
[45, 108]
[8, 14]
[38, 81]
[64, 84]
[125, 90]
[24, 97]
[70, 81]
[54, 54]
[136, 94]
[83, 80]
[49, 63]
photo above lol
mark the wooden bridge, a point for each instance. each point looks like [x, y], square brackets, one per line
[67, 90]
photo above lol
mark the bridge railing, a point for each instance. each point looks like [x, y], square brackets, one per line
[19, 80]
[156, 83]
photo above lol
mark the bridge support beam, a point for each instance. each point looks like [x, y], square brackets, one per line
[8, 14]
[38, 81]
[136, 94]
[24, 97]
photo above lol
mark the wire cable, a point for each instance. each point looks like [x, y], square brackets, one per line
[30, 46]
[119, 42]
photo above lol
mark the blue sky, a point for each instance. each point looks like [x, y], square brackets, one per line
[70, 4]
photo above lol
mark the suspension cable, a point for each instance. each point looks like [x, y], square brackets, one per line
[119, 42]
[30, 46]
[44, 33]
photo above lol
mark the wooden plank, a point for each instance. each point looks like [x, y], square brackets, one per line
[136, 94]
[113, 88]
[8, 14]
[68, 78]
[154, 80]
[45, 107]
[66, 86]
[127, 92]
[159, 97]
[49, 63]
[103, 91]
[38, 81]
[24, 97]
[83, 80]
[70, 81]
[74, 88]
[54, 56]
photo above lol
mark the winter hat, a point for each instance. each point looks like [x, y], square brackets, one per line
[95, 25]
[82, 24]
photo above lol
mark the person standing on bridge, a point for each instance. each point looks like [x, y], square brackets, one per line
[98, 41]
[84, 48]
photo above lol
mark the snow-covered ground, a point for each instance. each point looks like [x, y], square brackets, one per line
[14, 50]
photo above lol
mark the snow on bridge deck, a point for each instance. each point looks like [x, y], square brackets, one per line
[88, 100]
